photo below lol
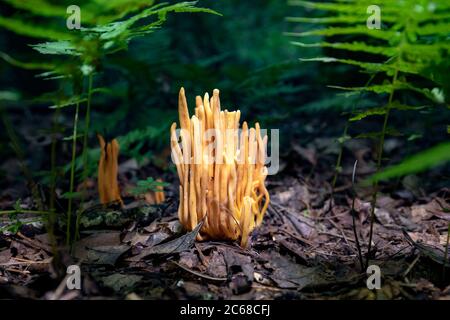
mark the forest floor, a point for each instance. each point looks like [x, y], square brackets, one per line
[305, 248]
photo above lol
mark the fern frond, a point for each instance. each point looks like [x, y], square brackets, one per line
[370, 67]
[439, 29]
[34, 30]
[26, 65]
[93, 12]
[386, 35]
[342, 19]
[58, 47]
[39, 7]
[351, 46]
[377, 134]
[419, 162]
[361, 114]
[338, 7]
[413, 39]
[379, 89]
[367, 113]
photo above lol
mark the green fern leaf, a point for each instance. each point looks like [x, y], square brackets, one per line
[422, 161]
[58, 47]
[369, 112]
[26, 65]
[354, 46]
[376, 135]
[34, 30]
[342, 19]
[387, 35]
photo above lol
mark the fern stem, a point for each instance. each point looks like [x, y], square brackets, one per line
[85, 148]
[23, 212]
[72, 164]
[86, 129]
[51, 217]
[341, 148]
[380, 157]
[337, 168]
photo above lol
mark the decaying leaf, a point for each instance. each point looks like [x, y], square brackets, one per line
[177, 245]
[100, 248]
[120, 282]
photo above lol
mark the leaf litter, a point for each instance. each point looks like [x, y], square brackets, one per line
[302, 250]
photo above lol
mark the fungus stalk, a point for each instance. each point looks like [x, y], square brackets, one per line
[221, 170]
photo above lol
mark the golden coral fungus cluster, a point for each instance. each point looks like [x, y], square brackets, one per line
[221, 170]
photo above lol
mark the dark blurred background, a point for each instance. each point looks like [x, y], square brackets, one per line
[245, 53]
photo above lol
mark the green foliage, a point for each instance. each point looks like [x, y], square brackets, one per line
[15, 222]
[26, 65]
[399, 57]
[12, 227]
[32, 30]
[94, 42]
[412, 38]
[101, 16]
[134, 141]
[382, 110]
[94, 12]
[421, 161]
[107, 28]
[147, 185]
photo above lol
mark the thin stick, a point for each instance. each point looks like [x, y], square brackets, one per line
[23, 212]
[411, 266]
[446, 252]
[352, 211]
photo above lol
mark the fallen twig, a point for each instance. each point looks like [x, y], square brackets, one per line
[199, 273]
[352, 211]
